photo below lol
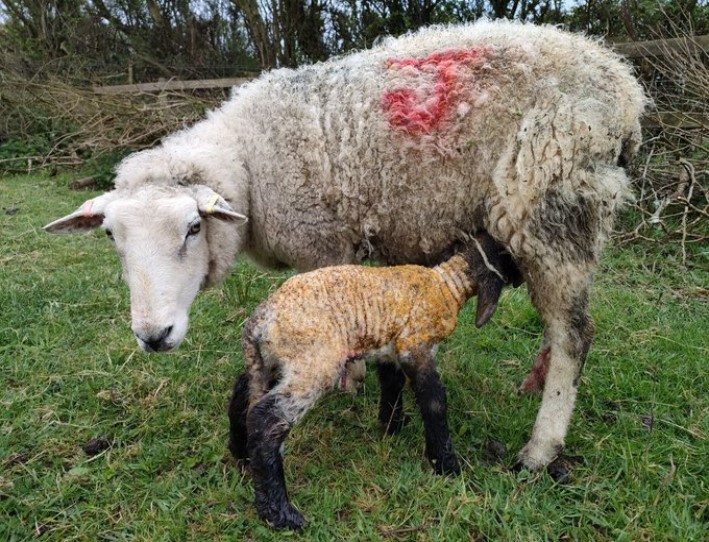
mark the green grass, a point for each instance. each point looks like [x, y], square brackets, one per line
[70, 372]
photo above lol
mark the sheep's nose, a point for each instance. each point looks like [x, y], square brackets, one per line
[156, 342]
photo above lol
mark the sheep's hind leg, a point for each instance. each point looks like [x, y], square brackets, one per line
[269, 421]
[391, 406]
[562, 302]
[430, 396]
[238, 407]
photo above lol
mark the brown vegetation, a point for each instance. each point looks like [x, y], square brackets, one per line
[87, 124]
[672, 180]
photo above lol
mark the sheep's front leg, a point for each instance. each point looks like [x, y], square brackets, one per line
[391, 406]
[419, 366]
[268, 426]
[238, 407]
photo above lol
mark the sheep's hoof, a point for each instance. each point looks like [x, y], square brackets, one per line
[286, 517]
[559, 471]
[535, 455]
[239, 451]
[447, 466]
[520, 465]
[244, 466]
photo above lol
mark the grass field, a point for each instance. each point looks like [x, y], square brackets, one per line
[70, 372]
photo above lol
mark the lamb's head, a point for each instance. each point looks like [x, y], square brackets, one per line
[162, 238]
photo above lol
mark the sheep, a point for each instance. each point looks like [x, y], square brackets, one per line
[391, 155]
[312, 335]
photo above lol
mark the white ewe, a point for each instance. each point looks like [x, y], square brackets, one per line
[393, 154]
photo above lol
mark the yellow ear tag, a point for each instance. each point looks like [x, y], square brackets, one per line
[210, 206]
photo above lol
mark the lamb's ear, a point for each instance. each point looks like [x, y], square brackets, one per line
[489, 290]
[211, 204]
[87, 217]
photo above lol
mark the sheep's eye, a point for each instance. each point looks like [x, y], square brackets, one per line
[194, 229]
[109, 234]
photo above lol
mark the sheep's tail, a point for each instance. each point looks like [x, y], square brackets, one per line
[251, 385]
[260, 375]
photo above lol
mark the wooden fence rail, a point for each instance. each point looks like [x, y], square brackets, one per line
[637, 49]
[172, 84]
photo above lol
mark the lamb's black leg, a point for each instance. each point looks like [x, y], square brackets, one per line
[431, 399]
[391, 407]
[268, 428]
[238, 407]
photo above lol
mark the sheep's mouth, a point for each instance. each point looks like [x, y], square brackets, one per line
[162, 343]
[155, 350]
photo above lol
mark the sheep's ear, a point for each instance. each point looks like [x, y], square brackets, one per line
[87, 217]
[211, 204]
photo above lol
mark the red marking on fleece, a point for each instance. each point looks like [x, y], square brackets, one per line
[534, 383]
[421, 110]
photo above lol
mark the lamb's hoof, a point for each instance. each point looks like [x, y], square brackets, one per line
[244, 466]
[239, 451]
[446, 466]
[286, 517]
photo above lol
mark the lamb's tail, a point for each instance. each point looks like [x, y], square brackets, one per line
[261, 373]
[248, 388]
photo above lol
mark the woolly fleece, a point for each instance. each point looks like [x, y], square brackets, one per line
[327, 173]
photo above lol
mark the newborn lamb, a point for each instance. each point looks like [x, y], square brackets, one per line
[312, 335]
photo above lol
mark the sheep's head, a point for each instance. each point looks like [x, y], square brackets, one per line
[161, 236]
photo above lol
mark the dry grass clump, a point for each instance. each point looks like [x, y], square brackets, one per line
[672, 181]
[56, 124]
